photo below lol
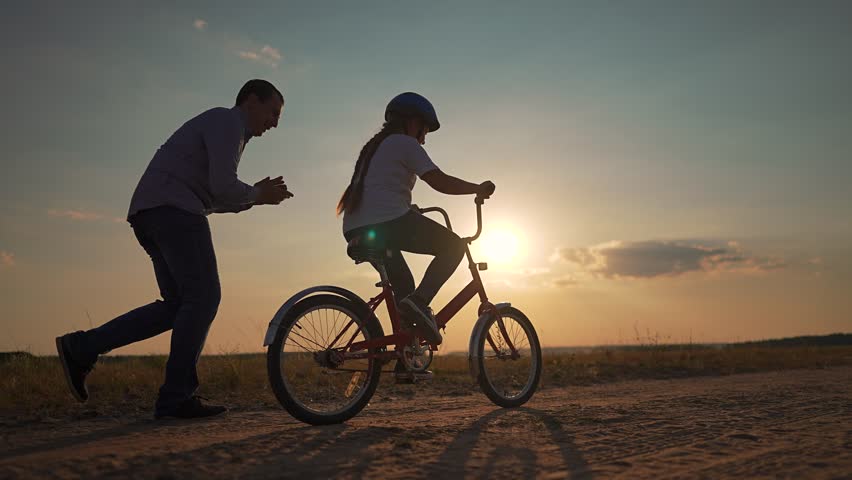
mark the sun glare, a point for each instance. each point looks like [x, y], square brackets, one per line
[500, 247]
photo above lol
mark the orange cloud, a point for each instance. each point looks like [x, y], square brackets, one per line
[7, 259]
[75, 214]
[564, 282]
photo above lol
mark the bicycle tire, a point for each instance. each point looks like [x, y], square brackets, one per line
[479, 355]
[371, 328]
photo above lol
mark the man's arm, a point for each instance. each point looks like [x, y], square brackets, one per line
[269, 192]
[223, 138]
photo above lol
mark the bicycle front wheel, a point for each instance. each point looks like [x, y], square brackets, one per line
[508, 356]
[307, 366]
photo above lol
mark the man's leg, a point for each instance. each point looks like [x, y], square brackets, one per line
[187, 248]
[138, 324]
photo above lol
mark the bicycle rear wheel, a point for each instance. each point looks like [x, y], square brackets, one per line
[307, 370]
[508, 358]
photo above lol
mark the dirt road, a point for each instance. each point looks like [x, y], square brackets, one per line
[795, 424]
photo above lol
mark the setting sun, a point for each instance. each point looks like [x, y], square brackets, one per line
[500, 246]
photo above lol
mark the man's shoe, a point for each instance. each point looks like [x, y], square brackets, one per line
[75, 373]
[193, 408]
[417, 315]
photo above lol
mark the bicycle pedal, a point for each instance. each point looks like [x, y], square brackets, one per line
[407, 378]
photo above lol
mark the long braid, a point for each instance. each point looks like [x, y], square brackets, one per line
[351, 198]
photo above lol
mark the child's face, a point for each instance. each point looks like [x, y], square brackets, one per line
[417, 129]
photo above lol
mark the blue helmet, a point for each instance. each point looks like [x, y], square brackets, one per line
[410, 104]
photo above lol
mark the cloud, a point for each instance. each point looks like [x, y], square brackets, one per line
[75, 214]
[270, 52]
[266, 55]
[651, 259]
[7, 259]
[199, 24]
[82, 215]
[564, 282]
[532, 272]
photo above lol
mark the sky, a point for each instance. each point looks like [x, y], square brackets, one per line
[666, 171]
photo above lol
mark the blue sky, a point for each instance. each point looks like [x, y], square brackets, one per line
[605, 125]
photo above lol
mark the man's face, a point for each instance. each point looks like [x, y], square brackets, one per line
[263, 115]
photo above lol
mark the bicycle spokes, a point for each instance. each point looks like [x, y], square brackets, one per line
[507, 338]
[507, 357]
[313, 366]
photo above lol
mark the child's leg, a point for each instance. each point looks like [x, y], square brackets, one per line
[399, 275]
[417, 234]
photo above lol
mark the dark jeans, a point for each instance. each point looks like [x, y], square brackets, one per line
[181, 250]
[416, 233]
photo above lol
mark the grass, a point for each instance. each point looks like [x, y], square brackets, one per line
[33, 387]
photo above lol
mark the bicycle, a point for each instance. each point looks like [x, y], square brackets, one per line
[326, 346]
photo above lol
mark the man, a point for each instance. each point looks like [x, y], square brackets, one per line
[192, 175]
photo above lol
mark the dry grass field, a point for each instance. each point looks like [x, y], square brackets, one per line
[33, 387]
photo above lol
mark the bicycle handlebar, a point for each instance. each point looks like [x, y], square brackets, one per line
[478, 200]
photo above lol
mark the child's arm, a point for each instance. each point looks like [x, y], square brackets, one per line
[451, 185]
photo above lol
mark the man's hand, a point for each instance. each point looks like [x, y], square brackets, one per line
[271, 191]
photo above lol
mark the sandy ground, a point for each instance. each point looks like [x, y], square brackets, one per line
[795, 424]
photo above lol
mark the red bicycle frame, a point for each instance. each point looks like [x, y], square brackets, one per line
[400, 338]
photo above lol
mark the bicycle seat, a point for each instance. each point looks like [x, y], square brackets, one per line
[367, 248]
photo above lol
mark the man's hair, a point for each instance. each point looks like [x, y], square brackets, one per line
[261, 88]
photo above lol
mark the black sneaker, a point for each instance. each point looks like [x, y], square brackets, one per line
[75, 373]
[194, 408]
[417, 316]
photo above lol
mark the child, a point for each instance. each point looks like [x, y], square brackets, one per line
[378, 200]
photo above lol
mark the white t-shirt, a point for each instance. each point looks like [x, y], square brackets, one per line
[390, 178]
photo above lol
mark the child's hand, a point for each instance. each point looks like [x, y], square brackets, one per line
[486, 189]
